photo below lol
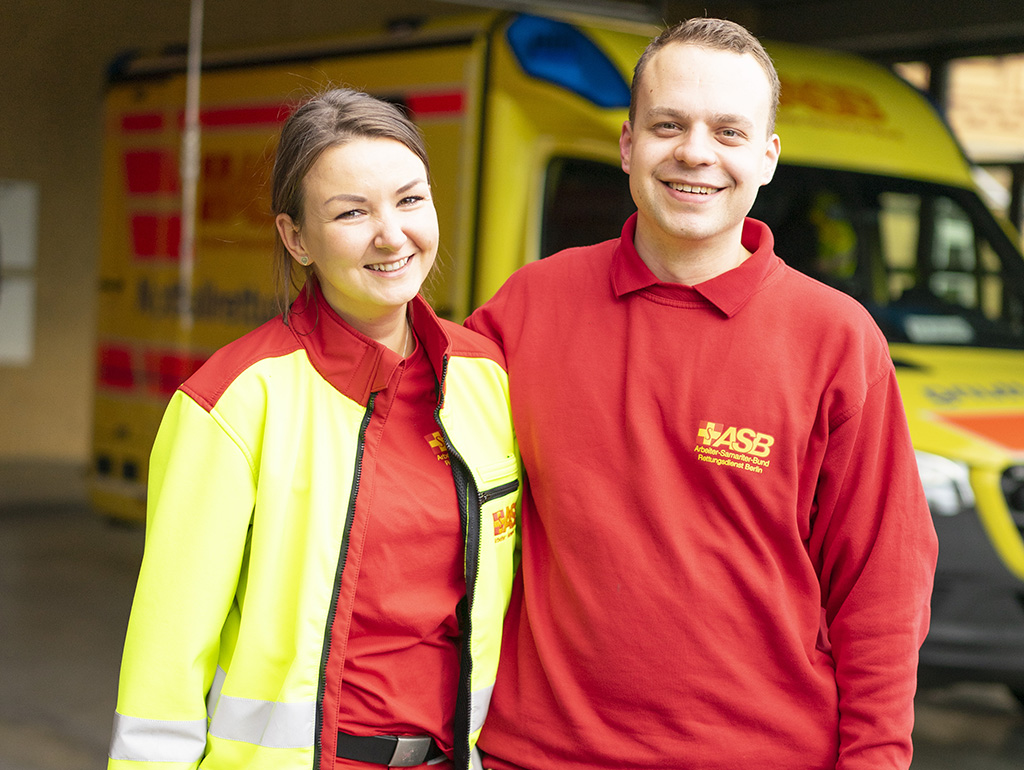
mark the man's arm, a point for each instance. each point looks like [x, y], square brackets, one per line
[875, 550]
[485, 320]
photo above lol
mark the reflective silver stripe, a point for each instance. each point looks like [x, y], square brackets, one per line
[214, 695]
[480, 703]
[264, 722]
[157, 740]
[475, 763]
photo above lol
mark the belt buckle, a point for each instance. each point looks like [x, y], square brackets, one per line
[410, 750]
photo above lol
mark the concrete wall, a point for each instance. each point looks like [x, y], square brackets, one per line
[986, 104]
[987, 107]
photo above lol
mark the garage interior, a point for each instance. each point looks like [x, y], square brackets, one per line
[66, 576]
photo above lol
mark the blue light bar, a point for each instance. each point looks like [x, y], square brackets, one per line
[560, 54]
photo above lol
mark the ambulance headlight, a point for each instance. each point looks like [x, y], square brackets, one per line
[947, 484]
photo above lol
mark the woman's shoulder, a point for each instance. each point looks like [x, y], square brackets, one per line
[227, 364]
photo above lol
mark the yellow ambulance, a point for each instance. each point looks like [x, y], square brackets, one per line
[521, 116]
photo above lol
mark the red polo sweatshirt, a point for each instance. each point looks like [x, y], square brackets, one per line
[727, 556]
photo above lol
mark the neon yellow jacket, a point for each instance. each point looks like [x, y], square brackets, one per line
[253, 477]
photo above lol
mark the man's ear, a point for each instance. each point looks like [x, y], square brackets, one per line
[771, 158]
[625, 145]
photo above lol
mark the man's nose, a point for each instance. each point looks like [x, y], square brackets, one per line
[695, 148]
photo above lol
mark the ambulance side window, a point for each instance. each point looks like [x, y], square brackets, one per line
[928, 261]
[932, 246]
[585, 201]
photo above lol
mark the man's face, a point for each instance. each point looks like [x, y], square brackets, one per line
[698, 148]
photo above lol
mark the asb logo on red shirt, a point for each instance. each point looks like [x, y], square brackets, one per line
[743, 448]
[436, 442]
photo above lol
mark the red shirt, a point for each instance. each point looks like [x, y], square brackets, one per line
[716, 473]
[404, 564]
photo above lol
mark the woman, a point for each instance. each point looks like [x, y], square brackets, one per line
[328, 550]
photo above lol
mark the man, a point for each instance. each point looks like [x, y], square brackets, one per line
[727, 556]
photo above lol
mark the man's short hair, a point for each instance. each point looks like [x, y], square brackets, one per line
[717, 35]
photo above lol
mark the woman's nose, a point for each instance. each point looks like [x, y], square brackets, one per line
[390, 236]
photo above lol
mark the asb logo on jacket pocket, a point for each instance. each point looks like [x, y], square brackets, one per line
[504, 521]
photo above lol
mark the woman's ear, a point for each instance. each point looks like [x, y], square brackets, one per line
[291, 237]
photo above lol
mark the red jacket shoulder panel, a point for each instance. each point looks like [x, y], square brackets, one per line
[270, 340]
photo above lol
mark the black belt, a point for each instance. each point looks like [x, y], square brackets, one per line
[390, 750]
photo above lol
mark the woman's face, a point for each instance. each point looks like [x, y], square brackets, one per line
[369, 228]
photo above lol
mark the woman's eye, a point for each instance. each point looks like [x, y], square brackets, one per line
[408, 200]
[350, 214]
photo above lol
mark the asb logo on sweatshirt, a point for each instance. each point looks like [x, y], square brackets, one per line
[743, 448]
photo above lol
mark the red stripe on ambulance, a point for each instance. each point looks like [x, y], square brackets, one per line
[156, 236]
[148, 172]
[240, 117]
[436, 104]
[142, 121]
[156, 371]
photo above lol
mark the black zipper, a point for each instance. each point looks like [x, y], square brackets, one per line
[465, 489]
[495, 492]
[342, 557]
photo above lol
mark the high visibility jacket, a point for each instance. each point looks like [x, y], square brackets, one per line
[253, 479]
